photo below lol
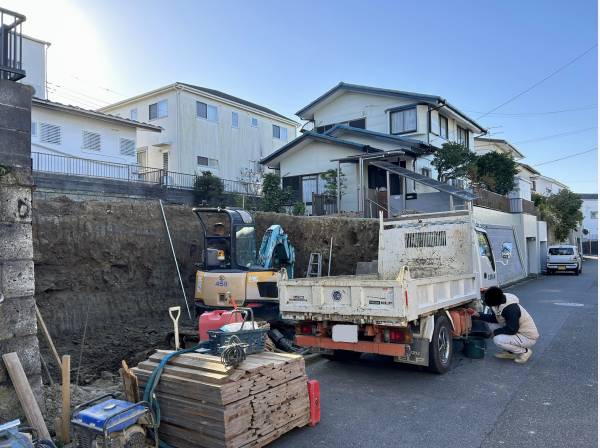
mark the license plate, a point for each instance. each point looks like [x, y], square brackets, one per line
[344, 333]
[562, 268]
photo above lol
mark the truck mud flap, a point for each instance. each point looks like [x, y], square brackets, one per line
[417, 353]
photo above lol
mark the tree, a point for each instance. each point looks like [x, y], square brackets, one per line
[331, 183]
[496, 172]
[452, 161]
[566, 206]
[208, 188]
[274, 197]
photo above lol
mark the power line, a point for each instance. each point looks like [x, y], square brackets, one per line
[567, 157]
[533, 86]
[88, 98]
[548, 137]
[535, 114]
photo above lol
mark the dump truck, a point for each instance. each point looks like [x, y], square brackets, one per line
[430, 269]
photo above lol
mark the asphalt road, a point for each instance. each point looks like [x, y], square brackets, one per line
[549, 402]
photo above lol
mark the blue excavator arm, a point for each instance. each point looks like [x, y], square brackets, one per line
[276, 251]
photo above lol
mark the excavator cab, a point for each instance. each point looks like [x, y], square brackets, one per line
[231, 269]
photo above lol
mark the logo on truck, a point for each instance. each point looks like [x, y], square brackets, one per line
[336, 295]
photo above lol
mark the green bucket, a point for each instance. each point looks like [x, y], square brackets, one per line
[475, 347]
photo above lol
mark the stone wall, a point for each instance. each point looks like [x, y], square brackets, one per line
[18, 326]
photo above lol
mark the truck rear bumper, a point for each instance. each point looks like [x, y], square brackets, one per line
[380, 348]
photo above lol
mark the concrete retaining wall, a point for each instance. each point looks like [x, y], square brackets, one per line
[18, 326]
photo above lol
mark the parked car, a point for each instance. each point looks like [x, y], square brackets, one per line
[563, 258]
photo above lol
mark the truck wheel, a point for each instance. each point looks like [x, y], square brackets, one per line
[440, 347]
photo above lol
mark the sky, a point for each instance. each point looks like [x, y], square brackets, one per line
[476, 54]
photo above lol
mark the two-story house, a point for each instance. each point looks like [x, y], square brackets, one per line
[204, 130]
[545, 185]
[356, 130]
[589, 209]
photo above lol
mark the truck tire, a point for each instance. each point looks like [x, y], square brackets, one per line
[440, 347]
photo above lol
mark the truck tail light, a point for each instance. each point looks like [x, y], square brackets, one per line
[399, 336]
[306, 329]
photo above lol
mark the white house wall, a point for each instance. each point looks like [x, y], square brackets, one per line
[352, 106]
[315, 158]
[591, 224]
[72, 127]
[34, 64]
[189, 136]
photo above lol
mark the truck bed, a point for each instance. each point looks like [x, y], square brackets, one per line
[369, 299]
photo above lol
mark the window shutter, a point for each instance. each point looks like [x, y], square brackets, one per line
[50, 133]
[127, 146]
[91, 141]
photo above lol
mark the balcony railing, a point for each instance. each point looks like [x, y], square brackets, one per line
[489, 199]
[75, 166]
[11, 45]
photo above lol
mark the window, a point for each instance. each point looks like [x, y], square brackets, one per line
[91, 141]
[165, 161]
[208, 162]
[50, 133]
[254, 122]
[360, 123]
[594, 215]
[561, 251]
[403, 121]
[443, 127]
[142, 157]
[127, 146]
[533, 185]
[33, 128]
[235, 120]
[462, 136]
[485, 248]
[279, 132]
[426, 172]
[158, 110]
[133, 114]
[203, 110]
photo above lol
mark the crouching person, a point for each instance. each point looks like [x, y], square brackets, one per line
[513, 328]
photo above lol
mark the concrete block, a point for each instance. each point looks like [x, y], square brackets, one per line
[15, 94]
[10, 408]
[14, 143]
[15, 241]
[17, 118]
[17, 279]
[15, 204]
[28, 350]
[11, 176]
[17, 318]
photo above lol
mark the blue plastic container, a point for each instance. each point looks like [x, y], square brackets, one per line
[95, 417]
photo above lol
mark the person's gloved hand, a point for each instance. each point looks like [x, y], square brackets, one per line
[472, 312]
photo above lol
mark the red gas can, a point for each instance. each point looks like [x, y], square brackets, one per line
[213, 320]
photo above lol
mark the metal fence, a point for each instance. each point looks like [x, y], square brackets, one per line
[75, 166]
[323, 204]
[11, 45]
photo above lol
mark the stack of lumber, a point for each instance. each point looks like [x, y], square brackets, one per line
[207, 405]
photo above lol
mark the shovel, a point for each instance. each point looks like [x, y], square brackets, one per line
[174, 313]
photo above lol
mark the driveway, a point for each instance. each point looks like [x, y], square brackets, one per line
[549, 402]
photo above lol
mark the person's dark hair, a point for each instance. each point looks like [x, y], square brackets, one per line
[494, 296]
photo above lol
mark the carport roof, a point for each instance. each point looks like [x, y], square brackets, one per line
[428, 181]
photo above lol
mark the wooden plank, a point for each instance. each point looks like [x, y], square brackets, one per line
[192, 361]
[195, 374]
[47, 336]
[130, 383]
[65, 390]
[25, 394]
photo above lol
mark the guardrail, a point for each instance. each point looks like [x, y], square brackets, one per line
[11, 45]
[76, 166]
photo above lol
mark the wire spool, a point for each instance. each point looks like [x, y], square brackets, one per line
[234, 352]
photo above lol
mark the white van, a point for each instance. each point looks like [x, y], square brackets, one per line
[563, 258]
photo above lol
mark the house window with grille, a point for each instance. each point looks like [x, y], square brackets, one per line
[127, 146]
[426, 172]
[208, 162]
[425, 239]
[50, 133]
[91, 141]
[165, 161]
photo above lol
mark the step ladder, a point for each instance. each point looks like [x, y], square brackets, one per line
[315, 265]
